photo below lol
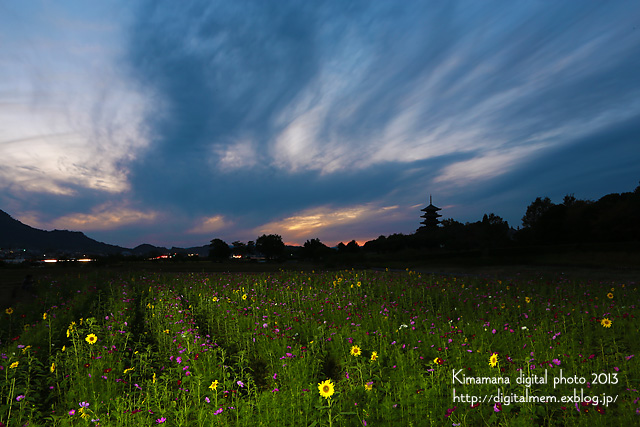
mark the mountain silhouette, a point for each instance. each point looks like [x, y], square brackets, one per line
[14, 234]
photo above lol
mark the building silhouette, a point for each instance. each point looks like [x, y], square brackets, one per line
[430, 216]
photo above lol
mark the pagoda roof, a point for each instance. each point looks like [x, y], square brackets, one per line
[431, 208]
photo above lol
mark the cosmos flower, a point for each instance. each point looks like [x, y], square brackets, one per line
[161, 420]
[355, 351]
[326, 389]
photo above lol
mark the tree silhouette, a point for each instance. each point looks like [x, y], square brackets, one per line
[270, 245]
[535, 211]
[239, 248]
[219, 250]
[314, 249]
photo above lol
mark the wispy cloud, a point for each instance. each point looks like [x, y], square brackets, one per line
[330, 223]
[209, 225]
[293, 115]
[104, 217]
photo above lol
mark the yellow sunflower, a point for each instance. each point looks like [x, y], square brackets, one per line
[214, 385]
[14, 365]
[9, 311]
[606, 322]
[528, 300]
[91, 339]
[244, 297]
[368, 386]
[326, 389]
[44, 316]
[355, 351]
[215, 299]
[610, 295]
[493, 360]
[53, 367]
[374, 356]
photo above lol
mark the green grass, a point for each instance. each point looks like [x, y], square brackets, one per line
[185, 349]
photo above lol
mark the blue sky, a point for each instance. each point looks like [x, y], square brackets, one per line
[174, 123]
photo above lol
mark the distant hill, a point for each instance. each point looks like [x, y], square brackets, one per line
[14, 234]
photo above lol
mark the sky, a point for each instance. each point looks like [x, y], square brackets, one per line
[174, 123]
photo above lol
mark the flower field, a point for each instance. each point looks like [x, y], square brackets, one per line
[346, 348]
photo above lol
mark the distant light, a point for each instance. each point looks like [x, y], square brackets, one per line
[50, 260]
[85, 260]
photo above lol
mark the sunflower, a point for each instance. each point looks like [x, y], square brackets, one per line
[215, 299]
[355, 351]
[14, 365]
[244, 297]
[438, 361]
[214, 385]
[44, 316]
[610, 295]
[528, 300]
[606, 322]
[53, 367]
[368, 386]
[9, 311]
[374, 356]
[326, 389]
[91, 339]
[493, 360]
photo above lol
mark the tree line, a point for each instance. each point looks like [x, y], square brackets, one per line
[612, 218]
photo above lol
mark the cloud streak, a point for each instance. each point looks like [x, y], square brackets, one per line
[236, 118]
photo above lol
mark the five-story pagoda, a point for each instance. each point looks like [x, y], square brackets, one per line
[430, 216]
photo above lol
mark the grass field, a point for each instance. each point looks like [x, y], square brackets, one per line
[341, 348]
